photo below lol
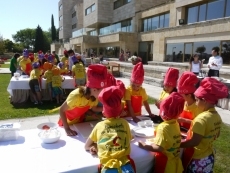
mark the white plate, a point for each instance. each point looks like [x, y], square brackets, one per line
[50, 124]
[144, 132]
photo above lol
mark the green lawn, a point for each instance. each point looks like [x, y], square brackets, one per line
[4, 65]
[8, 111]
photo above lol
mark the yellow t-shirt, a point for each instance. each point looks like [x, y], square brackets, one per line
[113, 138]
[206, 124]
[193, 108]
[75, 99]
[141, 92]
[35, 74]
[48, 75]
[19, 59]
[56, 81]
[23, 63]
[79, 70]
[169, 138]
[163, 95]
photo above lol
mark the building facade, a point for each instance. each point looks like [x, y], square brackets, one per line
[157, 30]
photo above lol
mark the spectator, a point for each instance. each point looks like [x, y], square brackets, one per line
[56, 57]
[215, 62]
[195, 64]
[13, 63]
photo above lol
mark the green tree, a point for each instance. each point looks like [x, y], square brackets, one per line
[53, 29]
[2, 47]
[26, 37]
[18, 47]
[8, 45]
[47, 40]
[39, 39]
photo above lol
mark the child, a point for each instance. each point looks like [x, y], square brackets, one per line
[198, 155]
[135, 94]
[48, 76]
[166, 144]
[78, 72]
[82, 99]
[63, 69]
[57, 79]
[170, 83]
[25, 63]
[187, 87]
[34, 83]
[110, 139]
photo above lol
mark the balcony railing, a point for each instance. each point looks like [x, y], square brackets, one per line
[82, 31]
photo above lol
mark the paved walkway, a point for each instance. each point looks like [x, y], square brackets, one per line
[153, 91]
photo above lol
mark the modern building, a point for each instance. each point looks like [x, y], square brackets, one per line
[157, 30]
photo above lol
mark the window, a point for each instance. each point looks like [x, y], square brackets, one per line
[212, 10]
[227, 14]
[60, 7]
[60, 18]
[74, 14]
[61, 28]
[215, 9]
[74, 26]
[120, 3]
[161, 21]
[90, 9]
[192, 14]
[94, 32]
[202, 13]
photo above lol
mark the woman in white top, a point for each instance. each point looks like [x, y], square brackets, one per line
[195, 64]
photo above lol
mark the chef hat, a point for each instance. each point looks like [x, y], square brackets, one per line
[137, 76]
[171, 77]
[187, 83]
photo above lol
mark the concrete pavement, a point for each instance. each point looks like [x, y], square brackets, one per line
[153, 91]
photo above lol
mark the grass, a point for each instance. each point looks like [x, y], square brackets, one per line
[4, 65]
[9, 111]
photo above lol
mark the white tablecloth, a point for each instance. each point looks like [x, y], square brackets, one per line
[28, 154]
[23, 84]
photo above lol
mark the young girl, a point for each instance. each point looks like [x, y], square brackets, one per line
[35, 83]
[63, 69]
[110, 139]
[57, 79]
[187, 87]
[170, 83]
[78, 72]
[48, 76]
[82, 99]
[25, 63]
[195, 64]
[198, 155]
[135, 94]
[166, 143]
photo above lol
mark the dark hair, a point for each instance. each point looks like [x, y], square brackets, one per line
[216, 49]
[16, 55]
[70, 51]
[192, 58]
[85, 92]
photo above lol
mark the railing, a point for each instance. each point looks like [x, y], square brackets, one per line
[82, 31]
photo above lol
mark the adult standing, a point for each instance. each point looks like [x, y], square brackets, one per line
[195, 64]
[13, 63]
[215, 62]
[83, 58]
[56, 56]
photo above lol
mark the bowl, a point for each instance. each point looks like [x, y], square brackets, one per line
[47, 126]
[49, 136]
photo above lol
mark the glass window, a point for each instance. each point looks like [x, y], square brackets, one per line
[192, 14]
[166, 22]
[161, 25]
[227, 14]
[225, 52]
[74, 14]
[187, 52]
[60, 7]
[155, 22]
[93, 7]
[215, 9]
[174, 52]
[202, 12]
[145, 25]
[60, 18]
[149, 24]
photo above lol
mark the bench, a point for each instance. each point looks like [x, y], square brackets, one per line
[114, 68]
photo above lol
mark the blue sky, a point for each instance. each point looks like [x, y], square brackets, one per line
[16, 15]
